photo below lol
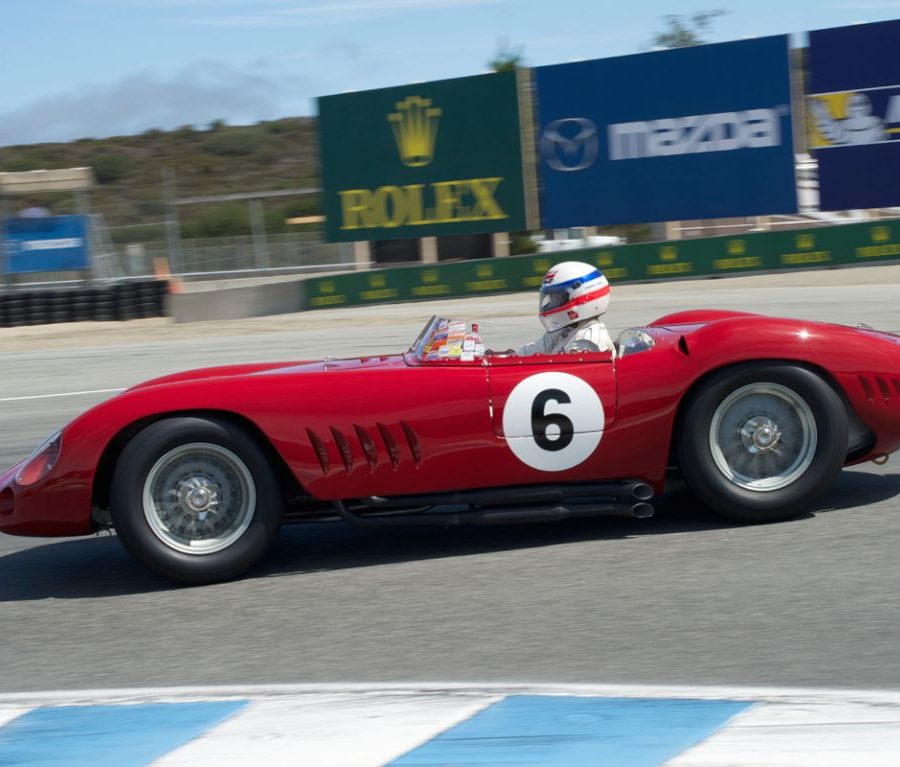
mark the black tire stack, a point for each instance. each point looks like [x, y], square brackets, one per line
[36, 308]
[82, 308]
[58, 306]
[153, 298]
[15, 309]
[119, 301]
[125, 300]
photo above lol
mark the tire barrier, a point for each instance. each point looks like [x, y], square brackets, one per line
[104, 303]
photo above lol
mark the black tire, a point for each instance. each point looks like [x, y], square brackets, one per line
[59, 306]
[102, 306]
[16, 311]
[760, 442]
[125, 300]
[37, 302]
[151, 534]
[82, 312]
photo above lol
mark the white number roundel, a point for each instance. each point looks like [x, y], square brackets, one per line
[553, 421]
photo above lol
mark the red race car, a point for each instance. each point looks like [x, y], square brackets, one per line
[197, 471]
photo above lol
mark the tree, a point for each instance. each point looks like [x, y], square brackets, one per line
[685, 31]
[507, 58]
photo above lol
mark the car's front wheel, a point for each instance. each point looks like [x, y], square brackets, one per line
[760, 442]
[195, 500]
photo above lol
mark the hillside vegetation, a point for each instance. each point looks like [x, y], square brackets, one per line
[221, 159]
[131, 174]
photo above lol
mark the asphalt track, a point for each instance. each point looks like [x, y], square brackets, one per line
[679, 599]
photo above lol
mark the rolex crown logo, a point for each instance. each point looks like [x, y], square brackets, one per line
[736, 247]
[880, 234]
[415, 126]
[805, 241]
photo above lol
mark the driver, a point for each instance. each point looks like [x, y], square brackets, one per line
[573, 296]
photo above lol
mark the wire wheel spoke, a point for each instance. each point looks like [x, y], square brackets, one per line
[763, 436]
[199, 498]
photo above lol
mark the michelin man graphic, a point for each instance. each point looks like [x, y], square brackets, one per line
[859, 127]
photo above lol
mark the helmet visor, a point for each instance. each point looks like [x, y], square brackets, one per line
[555, 296]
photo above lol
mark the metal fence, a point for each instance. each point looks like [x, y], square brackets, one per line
[214, 257]
[287, 253]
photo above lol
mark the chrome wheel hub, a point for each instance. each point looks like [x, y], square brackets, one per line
[760, 434]
[197, 495]
[199, 498]
[763, 436]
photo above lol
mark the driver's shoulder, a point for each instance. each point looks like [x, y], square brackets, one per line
[595, 331]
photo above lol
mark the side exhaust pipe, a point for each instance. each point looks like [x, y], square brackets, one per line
[504, 515]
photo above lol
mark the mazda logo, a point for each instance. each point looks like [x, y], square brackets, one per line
[570, 144]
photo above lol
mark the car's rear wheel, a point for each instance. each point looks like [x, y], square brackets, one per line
[195, 500]
[760, 442]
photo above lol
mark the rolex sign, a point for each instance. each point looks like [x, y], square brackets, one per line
[423, 160]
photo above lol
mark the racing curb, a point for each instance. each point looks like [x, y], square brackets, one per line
[376, 725]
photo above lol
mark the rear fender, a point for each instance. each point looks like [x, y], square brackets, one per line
[860, 437]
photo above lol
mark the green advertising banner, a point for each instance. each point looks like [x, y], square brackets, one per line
[432, 159]
[869, 243]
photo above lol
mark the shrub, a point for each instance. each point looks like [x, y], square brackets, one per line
[223, 220]
[232, 143]
[27, 161]
[279, 126]
[109, 167]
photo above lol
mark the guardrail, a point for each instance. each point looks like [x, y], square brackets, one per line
[843, 245]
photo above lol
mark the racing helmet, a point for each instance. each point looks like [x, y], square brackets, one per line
[572, 292]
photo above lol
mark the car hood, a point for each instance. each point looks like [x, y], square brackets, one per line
[275, 368]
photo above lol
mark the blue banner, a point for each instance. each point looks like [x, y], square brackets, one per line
[692, 133]
[50, 244]
[854, 114]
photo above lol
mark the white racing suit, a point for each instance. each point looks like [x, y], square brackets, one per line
[560, 340]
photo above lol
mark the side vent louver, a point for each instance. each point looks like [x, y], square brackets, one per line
[366, 442]
[867, 388]
[319, 447]
[878, 390]
[368, 446]
[413, 441]
[343, 448]
[390, 443]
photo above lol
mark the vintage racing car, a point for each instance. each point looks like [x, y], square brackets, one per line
[197, 471]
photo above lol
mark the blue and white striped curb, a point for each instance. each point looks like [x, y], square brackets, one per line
[458, 726]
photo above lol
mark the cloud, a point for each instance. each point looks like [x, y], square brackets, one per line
[338, 12]
[197, 94]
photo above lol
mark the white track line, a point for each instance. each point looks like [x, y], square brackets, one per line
[62, 394]
[769, 694]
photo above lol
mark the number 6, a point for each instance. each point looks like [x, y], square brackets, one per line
[541, 421]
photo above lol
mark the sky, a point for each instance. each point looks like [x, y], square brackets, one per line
[93, 68]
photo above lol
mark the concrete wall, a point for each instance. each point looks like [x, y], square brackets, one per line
[237, 303]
